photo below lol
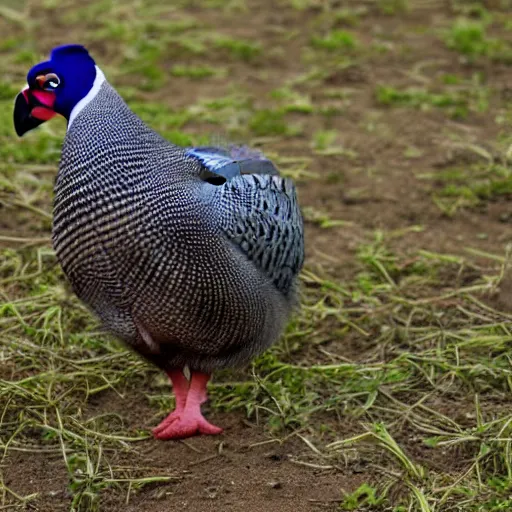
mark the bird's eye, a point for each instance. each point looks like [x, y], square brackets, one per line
[48, 82]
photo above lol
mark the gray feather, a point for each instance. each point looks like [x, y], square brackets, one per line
[260, 215]
[226, 163]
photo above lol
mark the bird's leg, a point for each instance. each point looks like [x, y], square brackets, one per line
[180, 387]
[190, 420]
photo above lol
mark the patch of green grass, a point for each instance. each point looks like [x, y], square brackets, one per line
[469, 38]
[472, 185]
[43, 148]
[226, 5]
[301, 5]
[232, 112]
[324, 142]
[413, 152]
[241, 49]
[269, 122]
[196, 72]
[169, 123]
[457, 103]
[322, 219]
[8, 91]
[450, 79]
[158, 116]
[10, 43]
[26, 57]
[392, 7]
[91, 12]
[364, 495]
[470, 9]
[348, 16]
[144, 60]
[335, 40]
[324, 139]
[293, 101]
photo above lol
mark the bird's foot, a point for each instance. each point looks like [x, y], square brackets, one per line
[184, 425]
[187, 419]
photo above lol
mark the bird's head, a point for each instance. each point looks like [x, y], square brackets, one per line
[55, 86]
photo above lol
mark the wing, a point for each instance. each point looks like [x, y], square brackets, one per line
[261, 217]
[222, 164]
[258, 209]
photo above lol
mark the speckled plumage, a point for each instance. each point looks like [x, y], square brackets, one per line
[185, 271]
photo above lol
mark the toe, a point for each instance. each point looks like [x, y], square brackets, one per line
[165, 423]
[205, 427]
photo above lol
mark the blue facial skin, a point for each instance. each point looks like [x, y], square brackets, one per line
[76, 70]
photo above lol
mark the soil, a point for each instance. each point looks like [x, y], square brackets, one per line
[244, 469]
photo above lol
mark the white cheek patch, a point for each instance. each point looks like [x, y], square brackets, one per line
[98, 81]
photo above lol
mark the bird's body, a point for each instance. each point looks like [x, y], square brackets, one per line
[187, 272]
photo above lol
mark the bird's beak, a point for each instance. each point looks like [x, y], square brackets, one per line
[31, 109]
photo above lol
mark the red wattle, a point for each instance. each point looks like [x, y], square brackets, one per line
[42, 113]
[46, 98]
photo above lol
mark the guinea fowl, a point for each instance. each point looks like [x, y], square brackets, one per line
[188, 255]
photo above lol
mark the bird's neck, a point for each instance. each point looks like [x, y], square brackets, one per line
[104, 118]
[96, 86]
[105, 130]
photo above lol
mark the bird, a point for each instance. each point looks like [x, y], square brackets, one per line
[188, 255]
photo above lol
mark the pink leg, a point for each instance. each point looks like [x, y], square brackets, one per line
[180, 389]
[190, 421]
